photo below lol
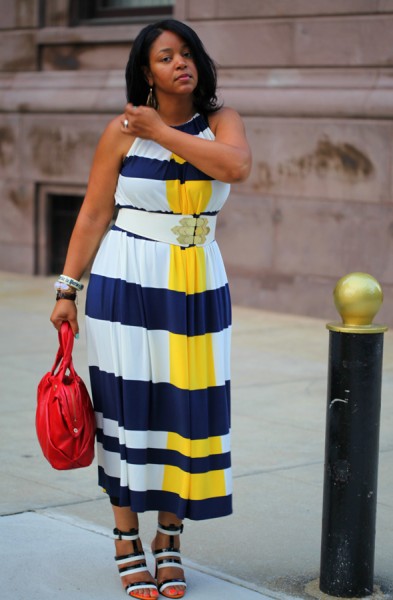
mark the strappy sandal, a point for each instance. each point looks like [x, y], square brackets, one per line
[133, 589]
[169, 557]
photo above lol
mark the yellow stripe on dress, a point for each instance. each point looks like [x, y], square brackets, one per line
[191, 361]
[187, 270]
[194, 448]
[196, 486]
[190, 197]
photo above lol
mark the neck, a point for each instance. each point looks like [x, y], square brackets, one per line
[176, 112]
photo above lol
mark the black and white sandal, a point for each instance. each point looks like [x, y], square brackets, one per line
[169, 557]
[133, 589]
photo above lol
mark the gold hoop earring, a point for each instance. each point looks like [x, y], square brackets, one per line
[151, 99]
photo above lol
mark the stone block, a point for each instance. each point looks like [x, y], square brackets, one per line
[9, 159]
[305, 78]
[180, 10]
[385, 6]
[284, 8]
[367, 102]
[18, 14]
[84, 56]
[18, 51]
[355, 41]
[87, 34]
[254, 43]
[17, 257]
[334, 238]
[60, 148]
[63, 92]
[358, 41]
[204, 9]
[316, 158]
[233, 9]
[315, 244]
[17, 227]
[319, 92]
[17, 218]
[245, 233]
[57, 13]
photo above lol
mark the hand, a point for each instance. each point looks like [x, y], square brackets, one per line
[65, 310]
[142, 121]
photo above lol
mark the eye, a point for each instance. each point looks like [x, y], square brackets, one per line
[166, 59]
[187, 54]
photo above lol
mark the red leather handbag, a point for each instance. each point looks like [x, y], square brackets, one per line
[65, 421]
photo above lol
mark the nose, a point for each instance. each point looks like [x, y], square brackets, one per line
[181, 62]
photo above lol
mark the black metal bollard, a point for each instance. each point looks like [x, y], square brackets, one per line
[352, 440]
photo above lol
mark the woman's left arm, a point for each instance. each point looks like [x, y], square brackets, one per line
[227, 158]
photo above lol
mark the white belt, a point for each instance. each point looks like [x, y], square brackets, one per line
[181, 230]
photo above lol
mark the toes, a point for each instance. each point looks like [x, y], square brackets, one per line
[175, 590]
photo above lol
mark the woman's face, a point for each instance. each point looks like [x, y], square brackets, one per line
[171, 66]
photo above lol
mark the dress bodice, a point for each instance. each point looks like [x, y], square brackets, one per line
[152, 178]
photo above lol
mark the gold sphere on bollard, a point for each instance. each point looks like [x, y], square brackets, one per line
[357, 297]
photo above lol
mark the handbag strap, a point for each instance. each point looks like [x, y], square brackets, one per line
[63, 360]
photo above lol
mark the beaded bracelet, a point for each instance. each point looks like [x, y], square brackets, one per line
[74, 283]
[66, 296]
[63, 287]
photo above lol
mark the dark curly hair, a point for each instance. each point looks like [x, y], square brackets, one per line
[205, 98]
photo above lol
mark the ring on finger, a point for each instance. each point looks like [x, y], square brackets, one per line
[125, 123]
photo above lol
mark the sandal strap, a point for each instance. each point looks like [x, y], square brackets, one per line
[170, 529]
[121, 559]
[140, 585]
[166, 552]
[167, 562]
[138, 568]
[132, 534]
[169, 557]
[169, 582]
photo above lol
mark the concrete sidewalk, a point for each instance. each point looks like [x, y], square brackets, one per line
[55, 529]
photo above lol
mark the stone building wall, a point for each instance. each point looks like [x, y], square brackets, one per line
[313, 81]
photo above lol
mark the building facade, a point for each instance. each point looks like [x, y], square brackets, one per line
[313, 82]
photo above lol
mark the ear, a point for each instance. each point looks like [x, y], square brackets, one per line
[148, 76]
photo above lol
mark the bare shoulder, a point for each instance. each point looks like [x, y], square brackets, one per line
[114, 125]
[113, 137]
[223, 116]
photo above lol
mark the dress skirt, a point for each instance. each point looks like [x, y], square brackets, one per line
[158, 320]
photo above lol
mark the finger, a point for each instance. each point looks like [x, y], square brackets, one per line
[130, 108]
[64, 310]
[127, 124]
[74, 327]
[57, 322]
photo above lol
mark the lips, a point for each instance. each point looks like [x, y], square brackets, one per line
[183, 77]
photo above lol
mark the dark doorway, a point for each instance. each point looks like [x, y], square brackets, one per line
[63, 211]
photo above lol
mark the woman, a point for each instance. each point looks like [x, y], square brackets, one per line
[158, 315]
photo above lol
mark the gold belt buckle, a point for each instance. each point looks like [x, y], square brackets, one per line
[192, 230]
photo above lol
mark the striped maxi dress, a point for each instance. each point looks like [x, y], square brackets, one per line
[158, 323]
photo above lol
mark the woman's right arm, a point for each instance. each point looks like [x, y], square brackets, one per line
[94, 216]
